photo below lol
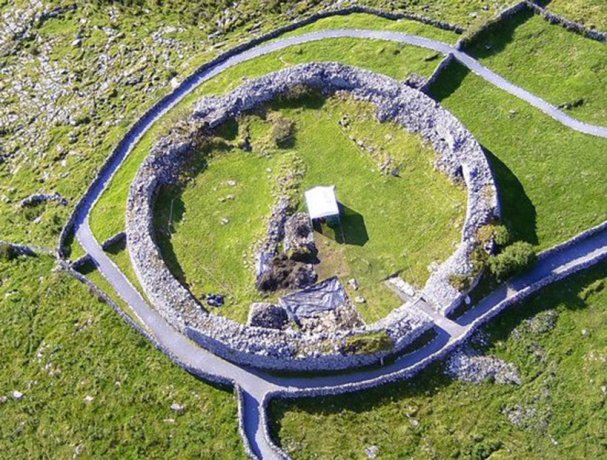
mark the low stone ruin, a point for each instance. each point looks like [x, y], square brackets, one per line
[268, 315]
[39, 198]
[268, 249]
[467, 365]
[299, 237]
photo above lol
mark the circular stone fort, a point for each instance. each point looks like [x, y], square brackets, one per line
[274, 337]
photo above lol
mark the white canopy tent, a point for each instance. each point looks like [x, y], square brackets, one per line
[321, 202]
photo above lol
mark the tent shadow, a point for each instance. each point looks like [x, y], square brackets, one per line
[350, 229]
[354, 230]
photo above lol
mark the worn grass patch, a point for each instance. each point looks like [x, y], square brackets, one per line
[60, 346]
[562, 396]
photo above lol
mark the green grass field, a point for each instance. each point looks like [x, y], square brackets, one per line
[563, 393]
[559, 66]
[551, 180]
[390, 224]
[591, 13]
[60, 345]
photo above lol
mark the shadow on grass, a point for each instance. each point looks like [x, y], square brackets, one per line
[228, 130]
[169, 209]
[449, 81]
[351, 228]
[310, 98]
[354, 228]
[571, 293]
[117, 247]
[496, 38]
[518, 212]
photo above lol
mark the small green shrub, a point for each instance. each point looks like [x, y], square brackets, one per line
[513, 259]
[478, 260]
[367, 344]
[460, 282]
[283, 130]
[6, 252]
[497, 233]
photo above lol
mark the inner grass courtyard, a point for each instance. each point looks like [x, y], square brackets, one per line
[397, 221]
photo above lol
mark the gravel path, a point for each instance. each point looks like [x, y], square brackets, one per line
[258, 387]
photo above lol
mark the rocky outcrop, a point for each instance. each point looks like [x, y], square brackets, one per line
[39, 198]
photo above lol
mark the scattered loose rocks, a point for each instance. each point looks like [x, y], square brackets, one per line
[541, 323]
[467, 365]
[178, 408]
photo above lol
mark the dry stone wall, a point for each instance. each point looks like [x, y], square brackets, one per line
[567, 24]
[458, 155]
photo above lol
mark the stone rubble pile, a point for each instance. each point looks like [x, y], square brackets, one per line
[467, 365]
[268, 315]
[38, 198]
[458, 155]
[275, 234]
[299, 236]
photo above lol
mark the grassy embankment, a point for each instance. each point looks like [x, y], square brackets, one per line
[551, 179]
[591, 13]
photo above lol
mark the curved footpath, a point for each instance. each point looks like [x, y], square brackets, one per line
[256, 388]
